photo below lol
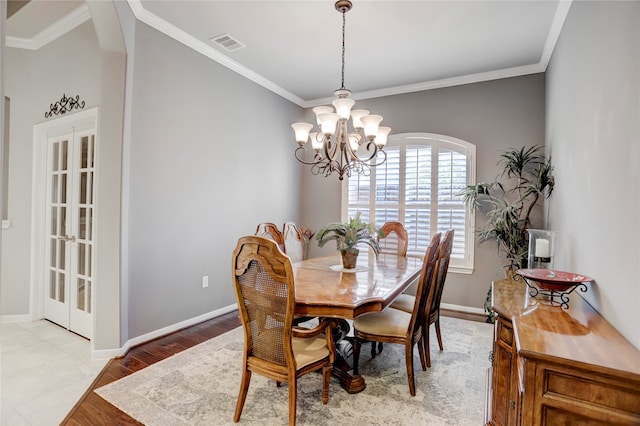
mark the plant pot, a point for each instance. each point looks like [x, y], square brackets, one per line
[349, 259]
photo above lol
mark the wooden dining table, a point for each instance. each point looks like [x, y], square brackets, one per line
[325, 289]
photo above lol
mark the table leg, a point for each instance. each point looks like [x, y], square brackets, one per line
[342, 370]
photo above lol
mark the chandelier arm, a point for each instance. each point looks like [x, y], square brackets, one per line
[330, 149]
[300, 153]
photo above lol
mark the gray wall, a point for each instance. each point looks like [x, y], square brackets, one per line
[494, 115]
[35, 79]
[210, 155]
[593, 134]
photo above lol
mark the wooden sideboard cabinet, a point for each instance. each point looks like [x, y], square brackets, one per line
[555, 366]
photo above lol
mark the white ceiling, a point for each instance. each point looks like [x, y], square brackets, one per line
[294, 47]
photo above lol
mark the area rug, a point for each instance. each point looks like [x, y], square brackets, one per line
[200, 385]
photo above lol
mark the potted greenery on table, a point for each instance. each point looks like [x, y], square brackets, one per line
[347, 236]
[507, 207]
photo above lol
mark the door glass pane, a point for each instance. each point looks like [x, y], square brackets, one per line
[63, 190]
[64, 155]
[92, 150]
[81, 295]
[90, 224]
[54, 245]
[61, 287]
[90, 189]
[62, 259]
[81, 258]
[54, 220]
[54, 188]
[52, 285]
[63, 221]
[54, 156]
[83, 187]
[82, 225]
[84, 152]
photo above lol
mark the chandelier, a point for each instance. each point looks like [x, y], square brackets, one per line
[336, 149]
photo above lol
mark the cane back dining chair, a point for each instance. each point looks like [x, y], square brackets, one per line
[270, 230]
[392, 238]
[293, 241]
[406, 302]
[393, 232]
[396, 326]
[264, 287]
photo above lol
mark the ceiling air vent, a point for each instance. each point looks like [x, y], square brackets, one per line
[227, 42]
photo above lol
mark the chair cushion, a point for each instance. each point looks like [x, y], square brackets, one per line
[404, 302]
[309, 350]
[390, 322]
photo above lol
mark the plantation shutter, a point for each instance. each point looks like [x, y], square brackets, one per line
[452, 178]
[418, 177]
[418, 185]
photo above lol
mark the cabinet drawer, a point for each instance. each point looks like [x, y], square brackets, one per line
[591, 390]
[505, 332]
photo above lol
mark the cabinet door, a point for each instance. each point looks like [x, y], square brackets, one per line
[504, 404]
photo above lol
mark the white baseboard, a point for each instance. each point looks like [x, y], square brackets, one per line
[460, 308]
[16, 318]
[100, 354]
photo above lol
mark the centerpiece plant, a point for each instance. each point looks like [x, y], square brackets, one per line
[347, 236]
[507, 206]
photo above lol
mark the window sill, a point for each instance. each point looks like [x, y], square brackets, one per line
[460, 270]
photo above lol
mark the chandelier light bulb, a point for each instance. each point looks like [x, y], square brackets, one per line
[343, 107]
[354, 141]
[302, 132]
[328, 122]
[356, 118]
[371, 123]
[319, 110]
[381, 137]
[316, 141]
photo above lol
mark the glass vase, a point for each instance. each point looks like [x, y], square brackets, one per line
[541, 246]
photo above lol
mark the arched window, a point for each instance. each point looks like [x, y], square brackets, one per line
[418, 186]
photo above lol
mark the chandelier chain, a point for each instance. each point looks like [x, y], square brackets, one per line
[344, 20]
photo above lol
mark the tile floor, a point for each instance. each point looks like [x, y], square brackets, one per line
[44, 370]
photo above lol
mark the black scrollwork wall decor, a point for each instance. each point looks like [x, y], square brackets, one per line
[64, 105]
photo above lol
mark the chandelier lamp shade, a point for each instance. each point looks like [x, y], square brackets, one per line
[338, 147]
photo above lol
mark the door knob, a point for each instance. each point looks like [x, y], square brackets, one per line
[71, 238]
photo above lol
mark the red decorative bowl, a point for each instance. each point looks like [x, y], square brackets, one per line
[552, 280]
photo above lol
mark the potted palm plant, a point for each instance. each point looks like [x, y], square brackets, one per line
[347, 236]
[507, 207]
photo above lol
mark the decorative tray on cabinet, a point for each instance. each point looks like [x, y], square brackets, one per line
[556, 285]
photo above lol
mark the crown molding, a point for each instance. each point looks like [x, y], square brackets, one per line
[57, 29]
[554, 32]
[437, 84]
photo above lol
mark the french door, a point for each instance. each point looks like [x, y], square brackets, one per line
[69, 234]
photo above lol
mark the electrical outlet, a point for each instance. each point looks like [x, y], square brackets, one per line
[205, 281]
